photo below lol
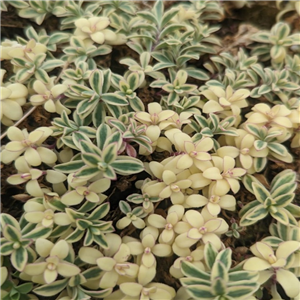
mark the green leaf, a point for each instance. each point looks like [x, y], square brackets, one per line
[278, 148]
[242, 291]
[110, 153]
[87, 172]
[158, 10]
[210, 254]
[197, 74]
[19, 258]
[51, 64]
[91, 159]
[169, 29]
[39, 232]
[133, 81]
[91, 273]
[70, 167]
[247, 181]
[6, 248]
[189, 270]
[282, 178]
[148, 16]
[280, 215]
[273, 241]
[260, 192]
[219, 286]
[101, 241]
[253, 215]
[242, 276]
[51, 289]
[96, 80]
[284, 200]
[11, 233]
[75, 236]
[284, 189]
[200, 292]
[168, 16]
[114, 99]
[259, 145]
[127, 165]
[25, 288]
[259, 163]
[225, 257]
[124, 207]
[100, 212]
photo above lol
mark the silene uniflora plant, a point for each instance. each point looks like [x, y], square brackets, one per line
[147, 158]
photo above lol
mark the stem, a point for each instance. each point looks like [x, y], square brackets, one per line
[30, 111]
[20, 121]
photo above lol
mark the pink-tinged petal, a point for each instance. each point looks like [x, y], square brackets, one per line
[62, 219]
[189, 146]
[212, 106]
[110, 36]
[183, 241]
[89, 255]
[34, 216]
[33, 188]
[165, 193]
[157, 221]
[257, 118]
[11, 109]
[148, 241]
[148, 260]
[199, 181]
[280, 263]
[40, 87]
[194, 234]
[221, 187]
[92, 197]
[247, 141]
[18, 179]
[37, 100]
[262, 250]
[175, 213]
[285, 249]
[153, 132]
[194, 218]
[228, 163]
[238, 172]
[213, 208]
[184, 184]
[106, 263]
[50, 275]
[213, 239]
[203, 156]
[67, 269]
[196, 200]
[162, 250]
[32, 157]
[184, 162]
[143, 117]
[35, 269]
[182, 227]
[35, 135]
[136, 248]
[228, 151]
[60, 249]
[177, 198]
[131, 289]
[168, 177]
[43, 247]
[15, 146]
[109, 280]
[246, 161]
[227, 202]
[47, 155]
[212, 173]
[139, 223]
[98, 37]
[156, 168]
[154, 189]
[15, 134]
[5, 93]
[289, 282]
[100, 185]
[204, 145]
[256, 264]
[58, 90]
[283, 121]
[47, 223]
[234, 184]
[213, 225]
[154, 108]
[264, 276]
[167, 236]
[146, 275]
[71, 198]
[50, 106]
[180, 251]
[122, 254]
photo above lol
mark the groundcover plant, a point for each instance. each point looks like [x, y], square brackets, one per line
[150, 150]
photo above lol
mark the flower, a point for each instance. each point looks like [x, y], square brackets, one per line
[52, 263]
[95, 28]
[30, 144]
[12, 97]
